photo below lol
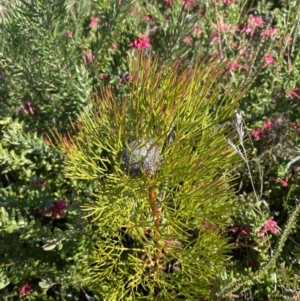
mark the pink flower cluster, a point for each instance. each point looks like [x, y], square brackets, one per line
[241, 231]
[254, 23]
[270, 226]
[57, 209]
[140, 43]
[25, 289]
[261, 133]
[268, 33]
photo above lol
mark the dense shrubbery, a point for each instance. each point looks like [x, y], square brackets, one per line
[63, 64]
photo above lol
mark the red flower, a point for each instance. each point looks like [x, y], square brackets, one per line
[140, 43]
[25, 289]
[57, 209]
[270, 226]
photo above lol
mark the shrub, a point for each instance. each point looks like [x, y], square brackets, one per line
[161, 216]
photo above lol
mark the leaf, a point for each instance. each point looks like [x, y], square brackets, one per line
[44, 284]
[3, 284]
[36, 263]
[60, 246]
[49, 247]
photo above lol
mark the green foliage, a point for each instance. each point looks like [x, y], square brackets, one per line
[43, 57]
[35, 245]
[157, 231]
[249, 280]
[54, 57]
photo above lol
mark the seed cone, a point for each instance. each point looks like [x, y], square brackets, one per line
[141, 157]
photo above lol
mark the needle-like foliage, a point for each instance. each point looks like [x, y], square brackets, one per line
[161, 164]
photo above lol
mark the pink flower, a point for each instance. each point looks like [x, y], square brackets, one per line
[169, 2]
[270, 226]
[25, 289]
[233, 65]
[214, 37]
[268, 124]
[284, 183]
[269, 59]
[140, 43]
[254, 22]
[220, 26]
[197, 30]
[28, 107]
[94, 22]
[293, 93]
[241, 231]
[187, 3]
[187, 40]
[88, 57]
[228, 1]
[295, 126]
[258, 134]
[268, 33]
[70, 34]
[57, 209]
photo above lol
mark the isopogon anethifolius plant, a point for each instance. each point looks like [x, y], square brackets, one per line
[159, 212]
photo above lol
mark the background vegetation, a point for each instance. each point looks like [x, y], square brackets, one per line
[63, 63]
